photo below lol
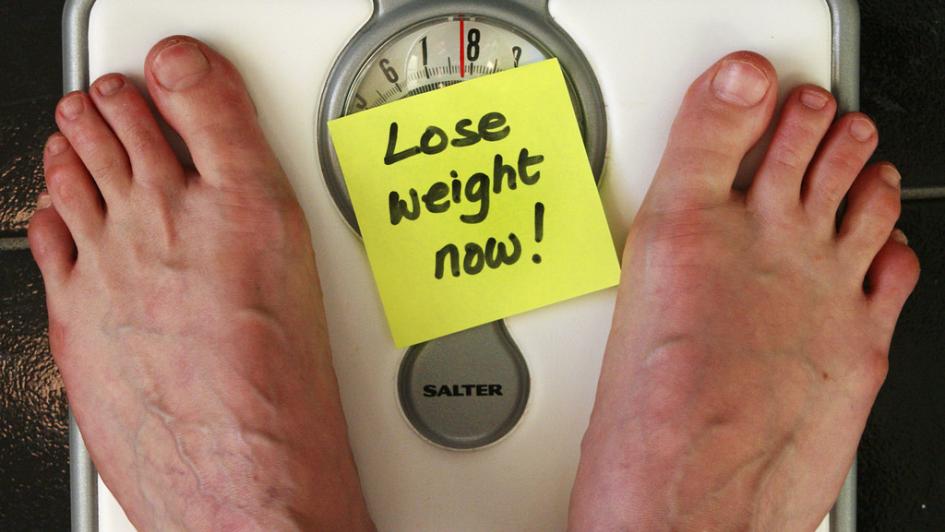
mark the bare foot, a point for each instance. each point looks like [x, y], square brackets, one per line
[750, 336]
[184, 308]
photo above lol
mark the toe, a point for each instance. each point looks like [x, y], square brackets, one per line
[892, 277]
[872, 210]
[72, 190]
[95, 144]
[805, 119]
[124, 109]
[202, 96]
[723, 114]
[50, 242]
[845, 150]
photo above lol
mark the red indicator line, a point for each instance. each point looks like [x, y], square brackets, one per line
[462, 49]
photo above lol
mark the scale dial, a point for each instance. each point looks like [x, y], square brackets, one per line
[436, 53]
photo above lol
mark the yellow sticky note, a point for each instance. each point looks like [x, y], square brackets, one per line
[475, 202]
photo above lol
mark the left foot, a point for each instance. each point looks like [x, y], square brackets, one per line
[184, 308]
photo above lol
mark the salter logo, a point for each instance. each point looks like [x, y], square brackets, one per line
[461, 390]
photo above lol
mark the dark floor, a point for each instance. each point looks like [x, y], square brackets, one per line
[902, 456]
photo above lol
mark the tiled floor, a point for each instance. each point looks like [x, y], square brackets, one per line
[902, 456]
[34, 457]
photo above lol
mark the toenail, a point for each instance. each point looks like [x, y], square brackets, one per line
[861, 129]
[180, 65]
[814, 99]
[900, 237]
[56, 144]
[740, 83]
[71, 106]
[43, 201]
[890, 175]
[110, 85]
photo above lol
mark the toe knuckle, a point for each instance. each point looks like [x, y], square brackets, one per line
[832, 191]
[788, 157]
[692, 157]
[845, 163]
[107, 167]
[141, 139]
[803, 130]
[55, 174]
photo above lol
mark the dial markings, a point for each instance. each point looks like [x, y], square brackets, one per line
[462, 49]
[422, 61]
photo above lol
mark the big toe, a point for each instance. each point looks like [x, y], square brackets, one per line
[203, 97]
[724, 113]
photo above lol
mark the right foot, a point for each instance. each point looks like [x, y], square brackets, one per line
[184, 307]
[745, 352]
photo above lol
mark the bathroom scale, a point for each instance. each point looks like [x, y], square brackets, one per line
[476, 460]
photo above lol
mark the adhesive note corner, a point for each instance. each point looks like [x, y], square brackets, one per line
[475, 202]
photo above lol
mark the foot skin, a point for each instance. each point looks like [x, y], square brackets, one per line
[184, 308]
[750, 335]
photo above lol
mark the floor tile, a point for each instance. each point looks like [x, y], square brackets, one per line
[902, 454]
[903, 84]
[30, 60]
[24, 127]
[34, 453]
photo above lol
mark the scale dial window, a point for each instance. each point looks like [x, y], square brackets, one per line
[437, 53]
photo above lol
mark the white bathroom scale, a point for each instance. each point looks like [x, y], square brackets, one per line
[469, 461]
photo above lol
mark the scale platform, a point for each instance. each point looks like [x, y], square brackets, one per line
[463, 465]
